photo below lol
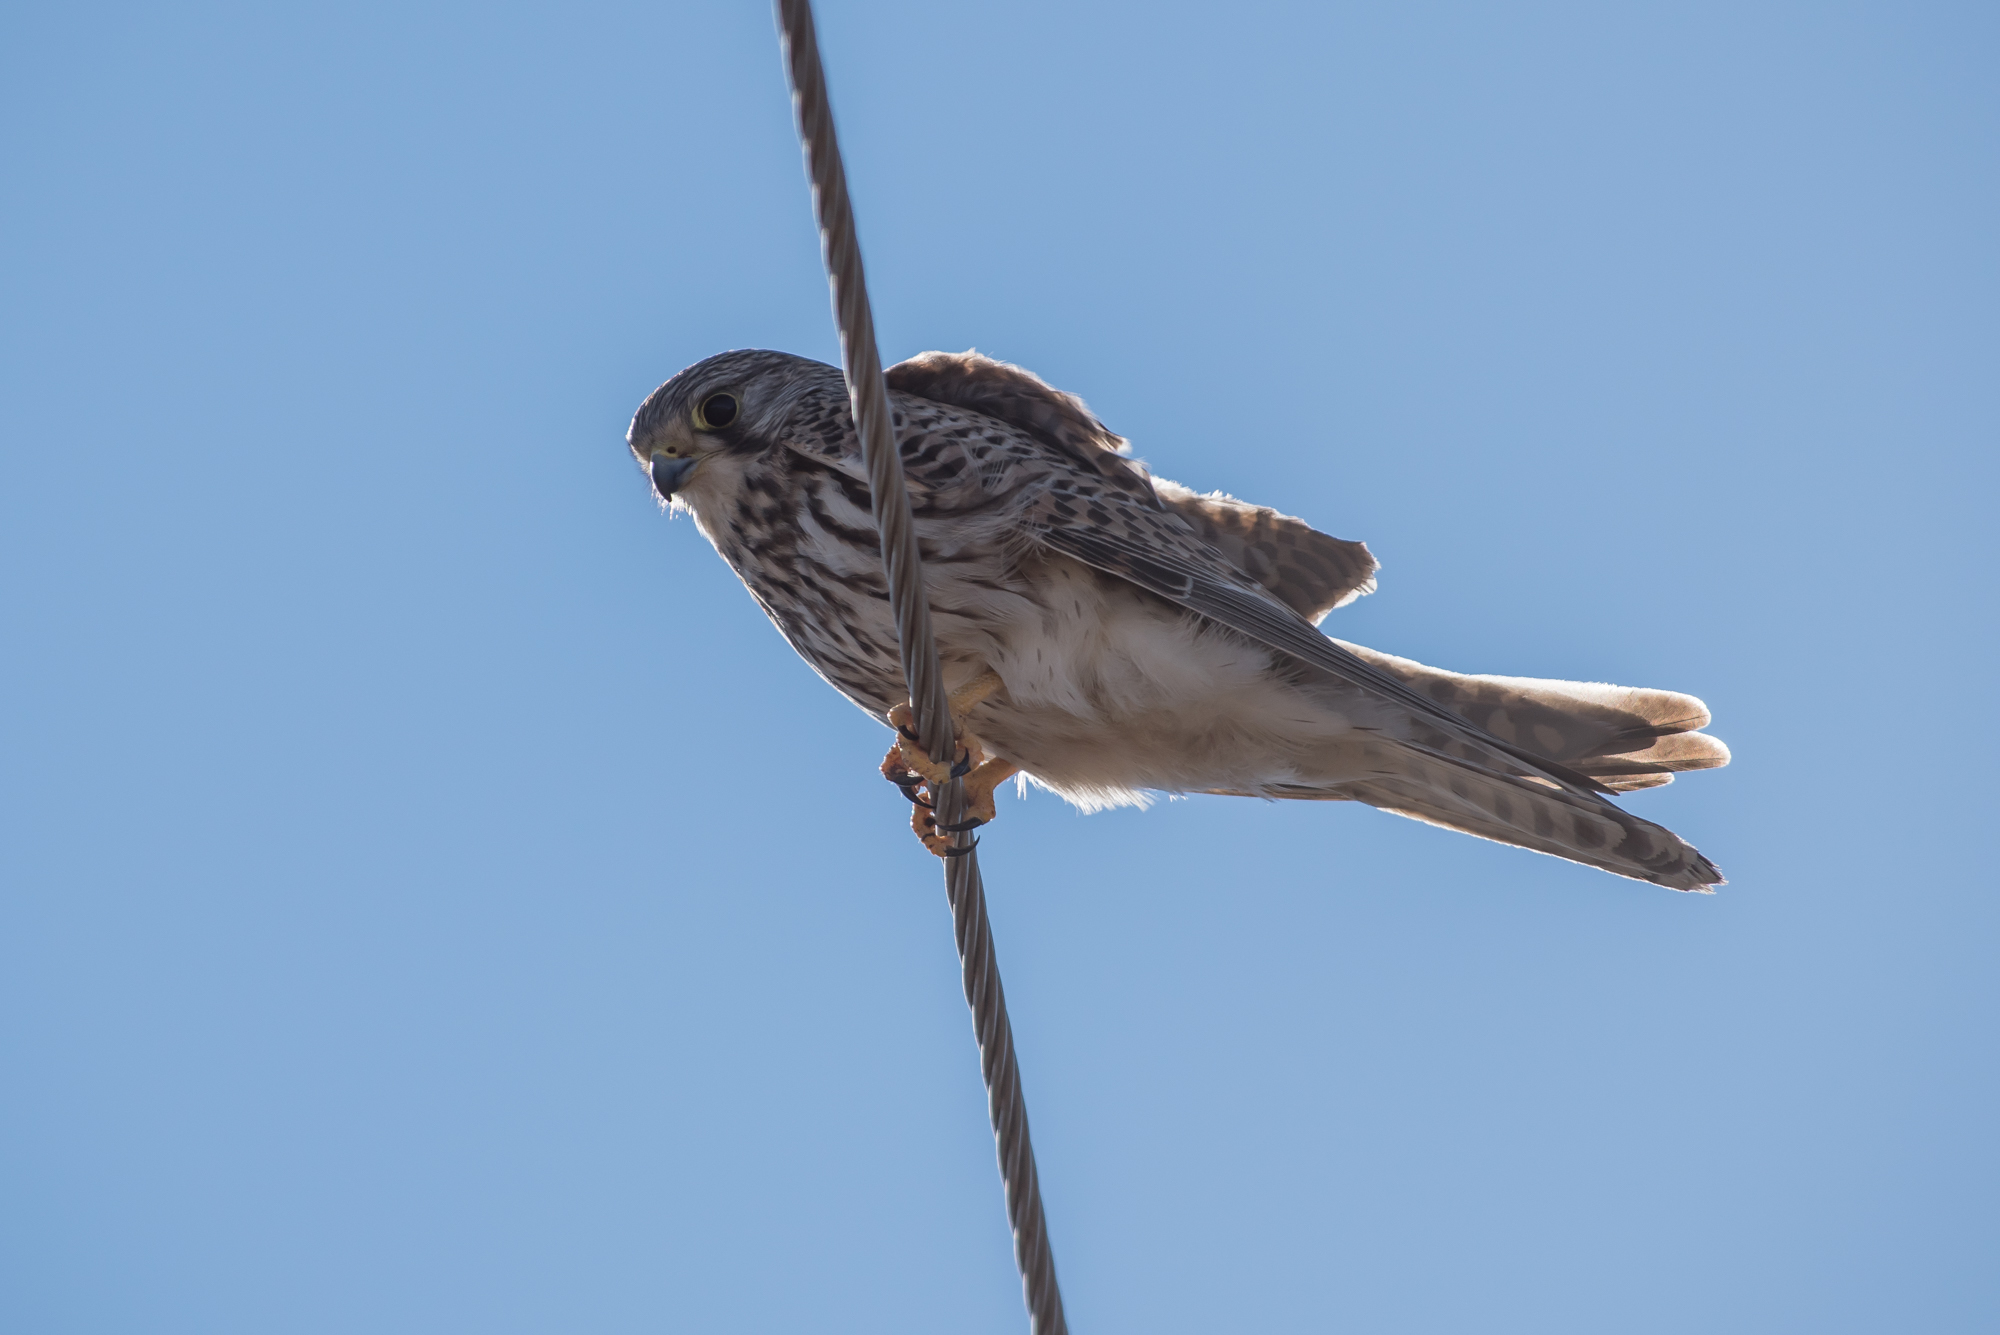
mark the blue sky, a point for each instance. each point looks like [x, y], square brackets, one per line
[433, 898]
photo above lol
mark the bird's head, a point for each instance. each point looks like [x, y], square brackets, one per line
[731, 405]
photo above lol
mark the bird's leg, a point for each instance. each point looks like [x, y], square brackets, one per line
[909, 767]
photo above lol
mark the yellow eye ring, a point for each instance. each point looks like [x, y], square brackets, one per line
[717, 411]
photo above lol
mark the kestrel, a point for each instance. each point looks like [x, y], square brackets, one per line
[1111, 634]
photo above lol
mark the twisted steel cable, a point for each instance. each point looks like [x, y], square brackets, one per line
[868, 394]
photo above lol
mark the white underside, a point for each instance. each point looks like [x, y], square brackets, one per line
[1112, 694]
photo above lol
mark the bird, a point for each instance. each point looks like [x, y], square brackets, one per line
[1110, 636]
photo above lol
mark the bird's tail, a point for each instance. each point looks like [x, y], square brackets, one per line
[1626, 738]
[1458, 795]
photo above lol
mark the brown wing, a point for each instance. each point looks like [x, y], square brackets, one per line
[1303, 568]
[1157, 553]
[1069, 489]
[1023, 400]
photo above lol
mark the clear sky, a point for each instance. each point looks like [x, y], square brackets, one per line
[432, 898]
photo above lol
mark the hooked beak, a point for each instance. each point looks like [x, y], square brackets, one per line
[670, 474]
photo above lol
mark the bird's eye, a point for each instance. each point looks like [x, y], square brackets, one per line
[716, 412]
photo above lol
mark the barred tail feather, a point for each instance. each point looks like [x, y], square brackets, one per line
[1459, 795]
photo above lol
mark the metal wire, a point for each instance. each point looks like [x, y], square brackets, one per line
[869, 396]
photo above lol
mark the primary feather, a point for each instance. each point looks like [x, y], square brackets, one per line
[1149, 639]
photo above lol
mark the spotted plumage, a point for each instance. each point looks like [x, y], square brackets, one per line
[1145, 638]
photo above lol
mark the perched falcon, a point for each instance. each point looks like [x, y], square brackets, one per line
[1111, 634]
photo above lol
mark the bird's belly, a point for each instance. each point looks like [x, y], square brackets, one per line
[1111, 692]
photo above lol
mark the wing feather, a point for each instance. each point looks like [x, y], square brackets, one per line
[1270, 623]
[1308, 571]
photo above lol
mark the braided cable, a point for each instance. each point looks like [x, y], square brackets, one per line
[868, 394]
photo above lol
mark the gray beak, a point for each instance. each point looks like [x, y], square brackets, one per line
[669, 474]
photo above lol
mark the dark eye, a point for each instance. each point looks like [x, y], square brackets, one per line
[716, 412]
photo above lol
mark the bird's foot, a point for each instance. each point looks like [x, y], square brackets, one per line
[909, 756]
[979, 807]
[921, 778]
